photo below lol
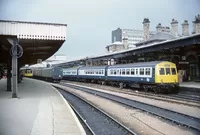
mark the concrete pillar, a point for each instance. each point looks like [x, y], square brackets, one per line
[198, 66]
[174, 27]
[146, 24]
[9, 88]
[18, 72]
[14, 72]
[185, 28]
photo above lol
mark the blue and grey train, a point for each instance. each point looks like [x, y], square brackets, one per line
[157, 76]
[54, 74]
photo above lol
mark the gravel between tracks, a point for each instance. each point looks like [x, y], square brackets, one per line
[191, 111]
[141, 122]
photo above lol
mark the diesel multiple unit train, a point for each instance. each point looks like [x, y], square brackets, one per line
[157, 76]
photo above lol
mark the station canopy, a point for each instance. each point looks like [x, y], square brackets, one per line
[38, 40]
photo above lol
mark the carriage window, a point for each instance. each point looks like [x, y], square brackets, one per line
[118, 72]
[168, 71]
[136, 71]
[128, 71]
[173, 71]
[114, 71]
[99, 71]
[102, 72]
[141, 71]
[111, 71]
[147, 71]
[132, 71]
[161, 71]
[123, 71]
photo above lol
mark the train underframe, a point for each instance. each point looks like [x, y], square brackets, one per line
[47, 79]
[162, 88]
[148, 87]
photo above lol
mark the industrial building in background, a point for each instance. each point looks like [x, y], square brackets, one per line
[123, 39]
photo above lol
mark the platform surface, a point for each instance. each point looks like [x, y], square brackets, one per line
[39, 110]
[190, 84]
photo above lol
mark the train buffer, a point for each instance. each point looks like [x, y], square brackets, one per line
[39, 109]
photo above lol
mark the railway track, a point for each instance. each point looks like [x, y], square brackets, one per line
[176, 117]
[184, 99]
[96, 121]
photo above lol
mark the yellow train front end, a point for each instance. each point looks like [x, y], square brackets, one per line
[28, 73]
[166, 77]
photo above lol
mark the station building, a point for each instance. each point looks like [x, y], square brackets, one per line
[166, 44]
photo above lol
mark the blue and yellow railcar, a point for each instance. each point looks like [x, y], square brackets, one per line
[157, 76]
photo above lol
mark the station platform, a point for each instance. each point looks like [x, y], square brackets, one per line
[39, 110]
[195, 85]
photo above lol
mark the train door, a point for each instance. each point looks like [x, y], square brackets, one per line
[137, 72]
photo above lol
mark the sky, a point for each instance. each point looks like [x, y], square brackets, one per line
[90, 22]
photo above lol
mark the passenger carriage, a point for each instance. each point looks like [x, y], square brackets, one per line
[158, 76]
[93, 73]
[70, 73]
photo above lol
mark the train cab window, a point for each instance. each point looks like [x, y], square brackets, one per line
[173, 71]
[132, 71]
[123, 71]
[168, 71]
[128, 71]
[147, 71]
[141, 71]
[161, 71]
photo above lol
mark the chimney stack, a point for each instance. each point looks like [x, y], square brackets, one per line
[146, 24]
[196, 25]
[185, 28]
[174, 27]
[125, 41]
[159, 28]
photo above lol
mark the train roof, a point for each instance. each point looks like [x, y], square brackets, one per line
[139, 64]
[74, 68]
[94, 67]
